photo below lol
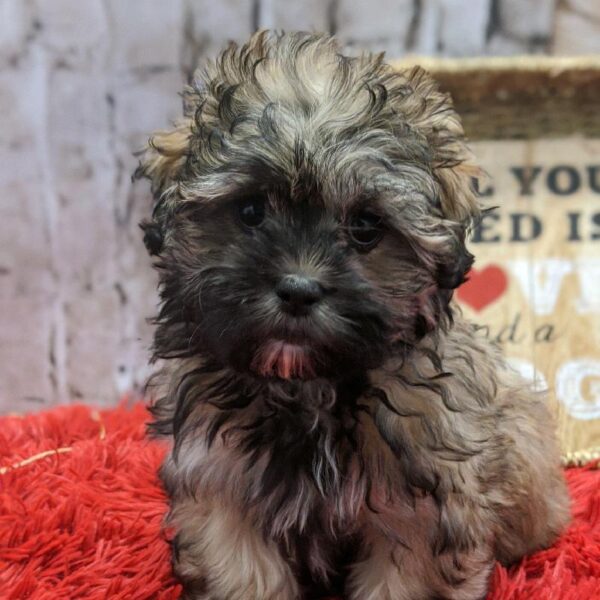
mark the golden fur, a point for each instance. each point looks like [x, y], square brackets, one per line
[417, 456]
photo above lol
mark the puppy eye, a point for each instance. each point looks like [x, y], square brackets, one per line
[365, 229]
[251, 212]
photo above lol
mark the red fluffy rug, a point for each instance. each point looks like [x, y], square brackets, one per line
[81, 508]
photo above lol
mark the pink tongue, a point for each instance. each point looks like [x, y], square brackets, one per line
[283, 360]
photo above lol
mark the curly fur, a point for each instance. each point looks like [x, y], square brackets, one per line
[410, 457]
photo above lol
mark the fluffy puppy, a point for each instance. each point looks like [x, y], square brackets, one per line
[336, 424]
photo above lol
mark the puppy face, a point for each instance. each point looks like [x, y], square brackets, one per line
[311, 211]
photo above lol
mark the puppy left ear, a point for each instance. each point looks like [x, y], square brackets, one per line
[433, 116]
[453, 273]
[460, 203]
[457, 190]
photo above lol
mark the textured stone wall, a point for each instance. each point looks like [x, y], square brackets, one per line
[82, 83]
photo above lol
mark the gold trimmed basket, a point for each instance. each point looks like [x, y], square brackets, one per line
[520, 97]
[537, 119]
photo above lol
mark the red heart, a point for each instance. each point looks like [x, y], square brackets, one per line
[483, 287]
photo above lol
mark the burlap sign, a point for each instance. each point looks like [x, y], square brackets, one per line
[535, 285]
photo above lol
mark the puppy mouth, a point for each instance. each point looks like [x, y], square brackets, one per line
[283, 359]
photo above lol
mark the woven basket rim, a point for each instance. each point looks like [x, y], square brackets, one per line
[518, 63]
[519, 97]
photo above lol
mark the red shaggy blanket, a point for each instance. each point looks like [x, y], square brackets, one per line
[81, 508]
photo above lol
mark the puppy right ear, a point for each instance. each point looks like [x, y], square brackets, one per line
[165, 156]
[153, 237]
[161, 163]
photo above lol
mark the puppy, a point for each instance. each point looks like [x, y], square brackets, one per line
[336, 424]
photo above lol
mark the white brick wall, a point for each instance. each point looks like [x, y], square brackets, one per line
[81, 86]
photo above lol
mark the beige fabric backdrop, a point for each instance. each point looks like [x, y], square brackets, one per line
[535, 287]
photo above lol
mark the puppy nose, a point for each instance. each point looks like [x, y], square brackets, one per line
[298, 293]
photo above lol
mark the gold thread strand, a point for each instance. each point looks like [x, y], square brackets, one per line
[95, 415]
[35, 458]
[98, 419]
